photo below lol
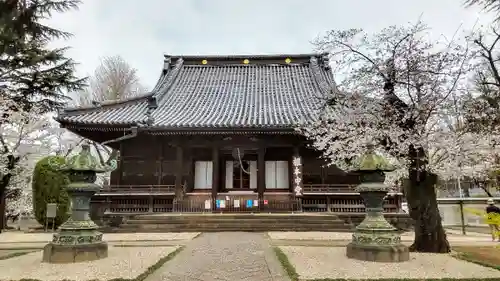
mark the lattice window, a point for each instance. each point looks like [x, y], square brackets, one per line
[138, 172]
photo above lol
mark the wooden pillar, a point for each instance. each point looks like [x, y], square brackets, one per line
[291, 176]
[261, 172]
[179, 193]
[151, 203]
[159, 179]
[190, 180]
[215, 176]
[215, 171]
[116, 175]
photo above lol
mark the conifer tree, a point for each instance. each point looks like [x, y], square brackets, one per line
[33, 76]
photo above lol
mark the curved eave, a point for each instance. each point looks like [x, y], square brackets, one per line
[104, 105]
[69, 111]
[187, 130]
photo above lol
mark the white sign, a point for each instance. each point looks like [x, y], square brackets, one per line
[222, 203]
[208, 206]
[297, 162]
[298, 190]
[255, 203]
[296, 172]
[51, 210]
[236, 203]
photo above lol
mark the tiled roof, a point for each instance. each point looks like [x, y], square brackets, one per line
[222, 92]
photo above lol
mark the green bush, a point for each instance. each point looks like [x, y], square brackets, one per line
[48, 187]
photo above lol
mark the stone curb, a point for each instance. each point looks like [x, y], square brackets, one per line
[39, 245]
[343, 243]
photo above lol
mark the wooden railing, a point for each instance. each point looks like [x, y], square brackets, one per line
[136, 189]
[199, 205]
[157, 189]
[329, 188]
[332, 188]
[338, 205]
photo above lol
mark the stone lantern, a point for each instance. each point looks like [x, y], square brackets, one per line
[375, 239]
[77, 239]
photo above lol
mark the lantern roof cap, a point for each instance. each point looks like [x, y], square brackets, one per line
[371, 161]
[85, 161]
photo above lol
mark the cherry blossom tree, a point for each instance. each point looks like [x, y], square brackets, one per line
[399, 91]
[24, 138]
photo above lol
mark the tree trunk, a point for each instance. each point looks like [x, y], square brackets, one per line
[466, 189]
[4, 182]
[430, 236]
[484, 187]
[3, 221]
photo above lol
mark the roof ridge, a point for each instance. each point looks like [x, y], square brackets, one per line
[323, 84]
[263, 56]
[162, 90]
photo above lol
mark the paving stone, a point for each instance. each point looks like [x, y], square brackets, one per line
[224, 256]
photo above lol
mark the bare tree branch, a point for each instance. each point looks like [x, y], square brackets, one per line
[114, 79]
[488, 5]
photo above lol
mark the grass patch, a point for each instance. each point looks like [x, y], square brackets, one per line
[108, 241]
[285, 263]
[484, 255]
[142, 246]
[13, 255]
[21, 249]
[153, 268]
[404, 279]
[143, 275]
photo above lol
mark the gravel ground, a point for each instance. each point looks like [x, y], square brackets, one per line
[408, 236]
[128, 262]
[331, 262]
[20, 237]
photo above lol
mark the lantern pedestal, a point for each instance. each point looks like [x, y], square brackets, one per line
[375, 239]
[78, 239]
[56, 253]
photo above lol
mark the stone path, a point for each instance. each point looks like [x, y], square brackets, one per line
[224, 256]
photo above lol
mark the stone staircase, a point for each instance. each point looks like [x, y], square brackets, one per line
[231, 222]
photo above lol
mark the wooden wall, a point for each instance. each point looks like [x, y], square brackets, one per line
[151, 160]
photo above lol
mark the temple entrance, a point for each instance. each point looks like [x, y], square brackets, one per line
[241, 174]
[241, 171]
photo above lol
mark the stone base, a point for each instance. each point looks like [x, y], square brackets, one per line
[378, 253]
[54, 253]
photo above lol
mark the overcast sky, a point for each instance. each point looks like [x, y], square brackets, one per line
[142, 31]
